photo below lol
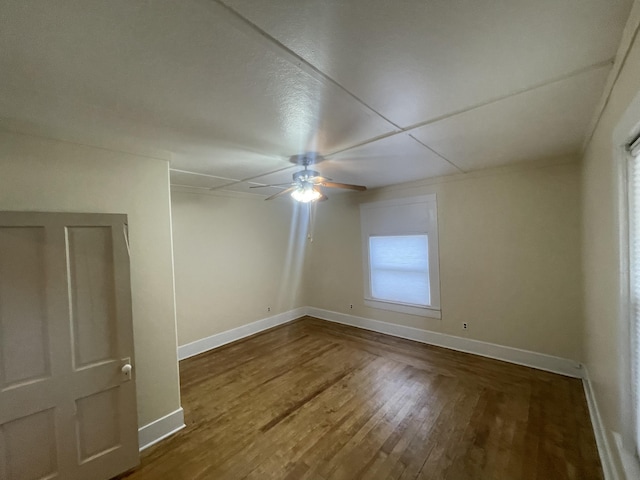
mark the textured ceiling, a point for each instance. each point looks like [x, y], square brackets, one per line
[388, 91]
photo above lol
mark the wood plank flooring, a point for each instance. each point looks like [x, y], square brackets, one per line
[318, 400]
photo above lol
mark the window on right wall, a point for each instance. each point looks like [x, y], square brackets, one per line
[400, 255]
[634, 280]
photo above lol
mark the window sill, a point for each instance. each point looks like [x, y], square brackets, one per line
[403, 308]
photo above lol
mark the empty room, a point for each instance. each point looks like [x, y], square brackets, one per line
[319, 239]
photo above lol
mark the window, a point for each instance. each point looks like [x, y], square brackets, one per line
[400, 246]
[399, 269]
[634, 283]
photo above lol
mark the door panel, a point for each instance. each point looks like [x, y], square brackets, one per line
[95, 436]
[66, 409]
[23, 328]
[92, 294]
[19, 436]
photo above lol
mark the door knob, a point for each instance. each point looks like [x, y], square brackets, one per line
[126, 370]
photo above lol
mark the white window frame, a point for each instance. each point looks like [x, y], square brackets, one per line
[625, 440]
[633, 164]
[403, 216]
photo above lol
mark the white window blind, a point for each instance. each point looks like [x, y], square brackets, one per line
[634, 287]
[399, 267]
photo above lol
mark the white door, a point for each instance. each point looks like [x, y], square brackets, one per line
[67, 391]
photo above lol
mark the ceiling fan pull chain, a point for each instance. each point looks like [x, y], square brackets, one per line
[311, 206]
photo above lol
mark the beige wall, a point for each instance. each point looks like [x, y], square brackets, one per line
[509, 257]
[235, 256]
[605, 328]
[37, 174]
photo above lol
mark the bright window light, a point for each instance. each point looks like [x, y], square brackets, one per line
[399, 269]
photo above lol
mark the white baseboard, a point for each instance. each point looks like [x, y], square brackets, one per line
[602, 441]
[219, 339]
[629, 460]
[527, 358]
[160, 429]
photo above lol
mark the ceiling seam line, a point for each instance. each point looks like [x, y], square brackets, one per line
[248, 179]
[202, 174]
[298, 60]
[415, 126]
[219, 187]
[188, 186]
[232, 181]
[438, 154]
[366, 142]
[562, 78]
[382, 137]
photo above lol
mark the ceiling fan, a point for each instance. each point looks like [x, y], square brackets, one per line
[307, 184]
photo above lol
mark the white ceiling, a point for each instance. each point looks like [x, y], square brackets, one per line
[388, 91]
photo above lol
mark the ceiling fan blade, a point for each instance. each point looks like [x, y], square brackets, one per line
[318, 180]
[273, 185]
[283, 192]
[323, 197]
[348, 186]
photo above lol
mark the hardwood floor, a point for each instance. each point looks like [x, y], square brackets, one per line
[317, 400]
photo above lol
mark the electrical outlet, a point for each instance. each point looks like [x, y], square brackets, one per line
[465, 325]
[351, 307]
[269, 309]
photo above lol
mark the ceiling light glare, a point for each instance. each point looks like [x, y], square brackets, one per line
[305, 194]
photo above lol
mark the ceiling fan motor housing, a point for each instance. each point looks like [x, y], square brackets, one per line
[304, 175]
[306, 159]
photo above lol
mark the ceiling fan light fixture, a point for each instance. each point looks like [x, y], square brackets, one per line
[306, 194]
[306, 185]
